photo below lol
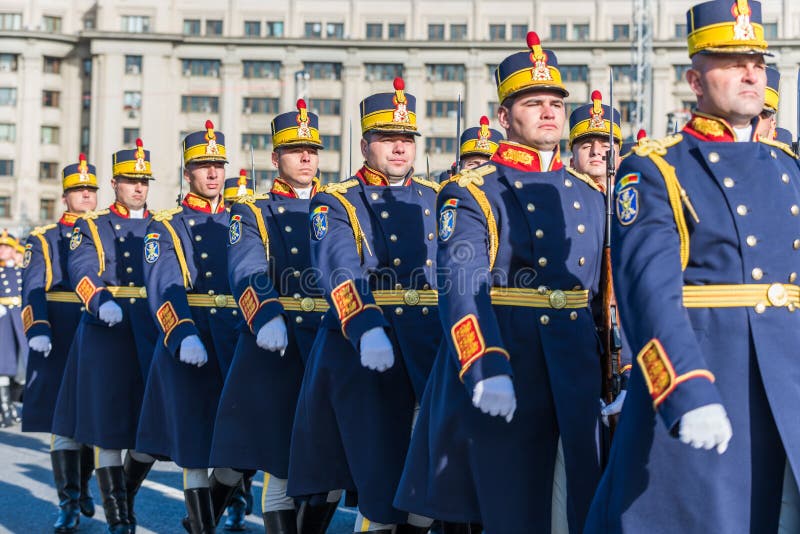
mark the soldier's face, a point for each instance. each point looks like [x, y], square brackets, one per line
[130, 192]
[589, 156]
[765, 129]
[391, 154]
[206, 179]
[535, 119]
[6, 253]
[470, 162]
[729, 86]
[298, 165]
[80, 200]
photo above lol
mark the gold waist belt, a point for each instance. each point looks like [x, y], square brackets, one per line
[11, 301]
[758, 296]
[125, 292]
[536, 298]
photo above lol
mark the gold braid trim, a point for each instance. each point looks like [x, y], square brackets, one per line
[98, 244]
[779, 145]
[262, 228]
[358, 232]
[427, 183]
[48, 263]
[178, 246]
[491, 223]
[586, 179]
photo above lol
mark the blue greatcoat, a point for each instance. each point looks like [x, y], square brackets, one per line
[739, 224]
[353, 424]
[256, 410]
[45, 272]
[13, 345]
[104, 388]
[187, 286]
[507, 224]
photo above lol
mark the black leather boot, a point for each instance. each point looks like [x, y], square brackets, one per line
[135, 473]
[314, 519]
[111, 481]
[201, 513]
[237, 509]
[405, 528]
[220, 495]
[461, 528]
[280, 522]
[66, 473]
[86, 502]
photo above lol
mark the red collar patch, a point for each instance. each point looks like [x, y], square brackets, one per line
[710, 128]
[68, 219]
[524, 158]
[198, 203]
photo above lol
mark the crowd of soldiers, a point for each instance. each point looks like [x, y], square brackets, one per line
[430, 350]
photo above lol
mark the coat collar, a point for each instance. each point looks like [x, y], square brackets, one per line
[710, 128]
[198, 203]
[282, 188]
[121, 210]
[370, 176]
[524, 158]
[69, 218]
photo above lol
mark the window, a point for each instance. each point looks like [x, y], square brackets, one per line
[574, 73]
[621, 32]
[492, 68]
[51, 24]
[47, 209]
[580, 32]
[274, 28]
[50, 135]
[260, 105]
[770, 30]
[623, 73]
[436, 32]
[259, 141]
[313, 30]
[132, 100]
[323, 71]
[85, 138]
[252, 28]
[51, 99]
[680, 72]
[52, 65]
[438, 145]
[199, 104]
[263, 175]
[441, 108]
[680, 31]
[326, 106]
[6, 167]
[8, 132]
[492, 109]
[558, 32]
[48, 170]
[397, 31]
[8, 96]
[689, 105]
[201, 67]
[331, 142]
[458, 32]
[327, 177]
[8, 62]
[519, 32]
[262, 69]
[10, 21]
[334, 30]
[497, 32]
[213, 27]
[86, 100]
[383, 71]
[135, 24]
[133, 64]
[191, 26]
[446, 73]
[129, 136]
[627, 110]
[87, 67]
[5, 202]
[374, 31]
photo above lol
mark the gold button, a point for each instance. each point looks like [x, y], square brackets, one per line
[296, 274]
[567, 182]
[741, 209]
[429, 262]
[210, 291]
[542, 262]
[728, 182]
[298, 319]
[296, 296]
[198, 238]
[791, 307]
[518, 184]
[126, 254]
[581, 261]
[374, 196]
[573, 315]
[426, 286]
[384, 215]
[293, 250]
[557, 299]
[281, 209]
[191, 222]
[773, 154]
[430, 237]
[581, 228]
[307, 304]
[796, 244]
[69, 234]
[234, 313]
[785, 178]
[713, 157]
[212, 311]
[792, 277]
[531, 207]
[542, 290]
[751, 240]
[204, 255]
[122, 239]
[777, 295]
[544, 319]
[794, 209]
[288, 229]
[143, 292]
[83, 308]
[220, 301]
[398, 286]
[130, 284]
[761, 307]
[393, 238]
[396, 262]
[398, 311]
[209, 274]
[117, 227]
[757, 274]
[129, 269]
[576, 205]
[411, 297]
[539, 233]
[132, 300]
[425, 310]
[427, 211]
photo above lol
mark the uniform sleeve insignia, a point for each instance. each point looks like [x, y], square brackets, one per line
[167, 317]
[627, 205]
[85, 290]
[235, 229]
[319, 222]
[657, 369]
[346, 300]
[26, 258]
[629, 179]
[468, 340]
[75, 240]
[248, 303]
[152, 248]
[447, 218]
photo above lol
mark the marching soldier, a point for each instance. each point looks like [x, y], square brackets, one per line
[13, 346]
[373, 245]
[187, 287]
[115, 338]
[268, 260]
[706, 257]
[478, 144]
[519, 260]
[50, 316]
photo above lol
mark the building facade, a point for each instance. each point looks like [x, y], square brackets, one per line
[93, 75]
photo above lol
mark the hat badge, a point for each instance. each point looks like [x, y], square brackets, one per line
[303, 129]
[211, 139]
[743, 30]
[242, 183]
[400, 102]
[596, 121]
[83, 168]
[140, 166]
[484, 134]
[540, 71]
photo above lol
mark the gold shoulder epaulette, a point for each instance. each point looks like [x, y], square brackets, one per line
[472, 176]
[166, 215]
[588, 180]
[427, 183]
[779, 145]
[338, 187]
[249, 199]
[40, 230]
[91, 215]
[648, 145]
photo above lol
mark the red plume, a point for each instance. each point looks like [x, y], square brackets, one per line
[301, 104]
[596, 95]
[641, 134]
[81, 157]
[242, 172]
[209, 125]
[533, 39]
[484, 121]
[399, 85]
[138, 142]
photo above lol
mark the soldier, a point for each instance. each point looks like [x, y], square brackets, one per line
[373, 245]
[705, 257]
[50, 316]
[588, 138]
[627, 146]
[238, 187]
[187, 288]
[519, 265]
[478, 144]
[116, 336]
[13, 346]
[768, 121]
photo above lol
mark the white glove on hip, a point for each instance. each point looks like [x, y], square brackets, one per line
[3, 310]
[707, 427]
[377, 352]
[110, 313]
[495, 396]
[193, 352]
[272, 336]
[614, 408]
[41, 344]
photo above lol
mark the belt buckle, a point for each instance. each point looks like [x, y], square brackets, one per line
[411, 297]
[220, 301]
[143, 292]
[558, 299]
[777, 295]
[307, 304]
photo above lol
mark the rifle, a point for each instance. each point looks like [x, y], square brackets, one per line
[253, 168]
[350, 150]
[458, 135]
[796, 146]
[180, 178]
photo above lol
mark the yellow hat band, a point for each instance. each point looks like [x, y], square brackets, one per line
[289, 136]
[582, 128]
[199, 153]
[79, 180]
[471, 147]
[384, 119]
[719, 38]
[128, 168]
[771, 99]
[230, 193]
[522, 80]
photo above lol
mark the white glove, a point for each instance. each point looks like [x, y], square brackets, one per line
[377, 352]
[41, 344]
[495, 396]
[110, 313]
[707, 427]
[3, 310]
[614, 408]
[272, 336]
[193, 352]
